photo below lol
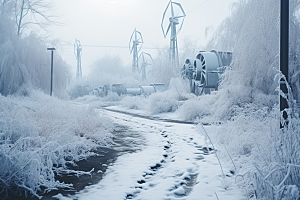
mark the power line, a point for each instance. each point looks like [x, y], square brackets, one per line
[124, 47]
[107, 46]
[197, 6]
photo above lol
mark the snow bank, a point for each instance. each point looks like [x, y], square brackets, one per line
[39, 135]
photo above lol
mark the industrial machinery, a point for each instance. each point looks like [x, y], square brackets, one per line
[147, 90]
[145, 59]
[135, 45]
[204, 71]
[159, 87]
[175, 13]
[119, 89]
[101, 91]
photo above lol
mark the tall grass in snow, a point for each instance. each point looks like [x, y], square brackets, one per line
[40, 135]
[267, 158]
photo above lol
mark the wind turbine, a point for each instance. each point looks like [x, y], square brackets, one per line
[176, 17]
[78, 53]
[146, 59]
[135, 40]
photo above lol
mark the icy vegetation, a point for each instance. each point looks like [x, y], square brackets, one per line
[40, 135]
[24, 59]
[249, 90]
[160, 102]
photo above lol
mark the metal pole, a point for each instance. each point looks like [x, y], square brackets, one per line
[51, 73]
[284, 52]
[51, 83]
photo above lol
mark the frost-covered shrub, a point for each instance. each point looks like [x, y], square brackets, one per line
[248, 139]
[266, 159]
[134, 102]
[162, 102]
[193, 108]
[39, 135]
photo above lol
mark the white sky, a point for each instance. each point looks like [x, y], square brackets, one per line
[111, 23]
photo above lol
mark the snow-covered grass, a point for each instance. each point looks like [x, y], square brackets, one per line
[39, 135]
[266, 159]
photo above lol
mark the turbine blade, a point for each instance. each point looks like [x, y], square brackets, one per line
[168, 28]
[163, 18]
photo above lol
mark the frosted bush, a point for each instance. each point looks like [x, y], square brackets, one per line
[39, 135]
[193, 108]
[162, 102]
[170, 100]
[134, 102]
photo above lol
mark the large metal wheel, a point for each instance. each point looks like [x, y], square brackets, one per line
[203, 70]
[192, 86]
[206, 65]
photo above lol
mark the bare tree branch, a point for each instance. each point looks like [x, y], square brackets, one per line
[33, 12]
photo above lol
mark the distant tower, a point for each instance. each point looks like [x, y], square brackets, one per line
[176, 17]
[146, 60]
[135, 40]
[78, 53]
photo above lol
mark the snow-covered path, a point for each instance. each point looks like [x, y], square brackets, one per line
[175, 163]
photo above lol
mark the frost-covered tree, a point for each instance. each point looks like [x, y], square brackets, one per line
[29, 12]
[25, 60]
[252, 34]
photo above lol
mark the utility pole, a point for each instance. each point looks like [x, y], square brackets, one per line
[284, 54]
[51, 83]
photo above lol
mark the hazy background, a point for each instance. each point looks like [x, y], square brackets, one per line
[111, 23]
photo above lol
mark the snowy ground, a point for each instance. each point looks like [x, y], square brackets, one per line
[175, 163]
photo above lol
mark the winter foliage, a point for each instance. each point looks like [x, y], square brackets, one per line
[24, 59]
[40, 135]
